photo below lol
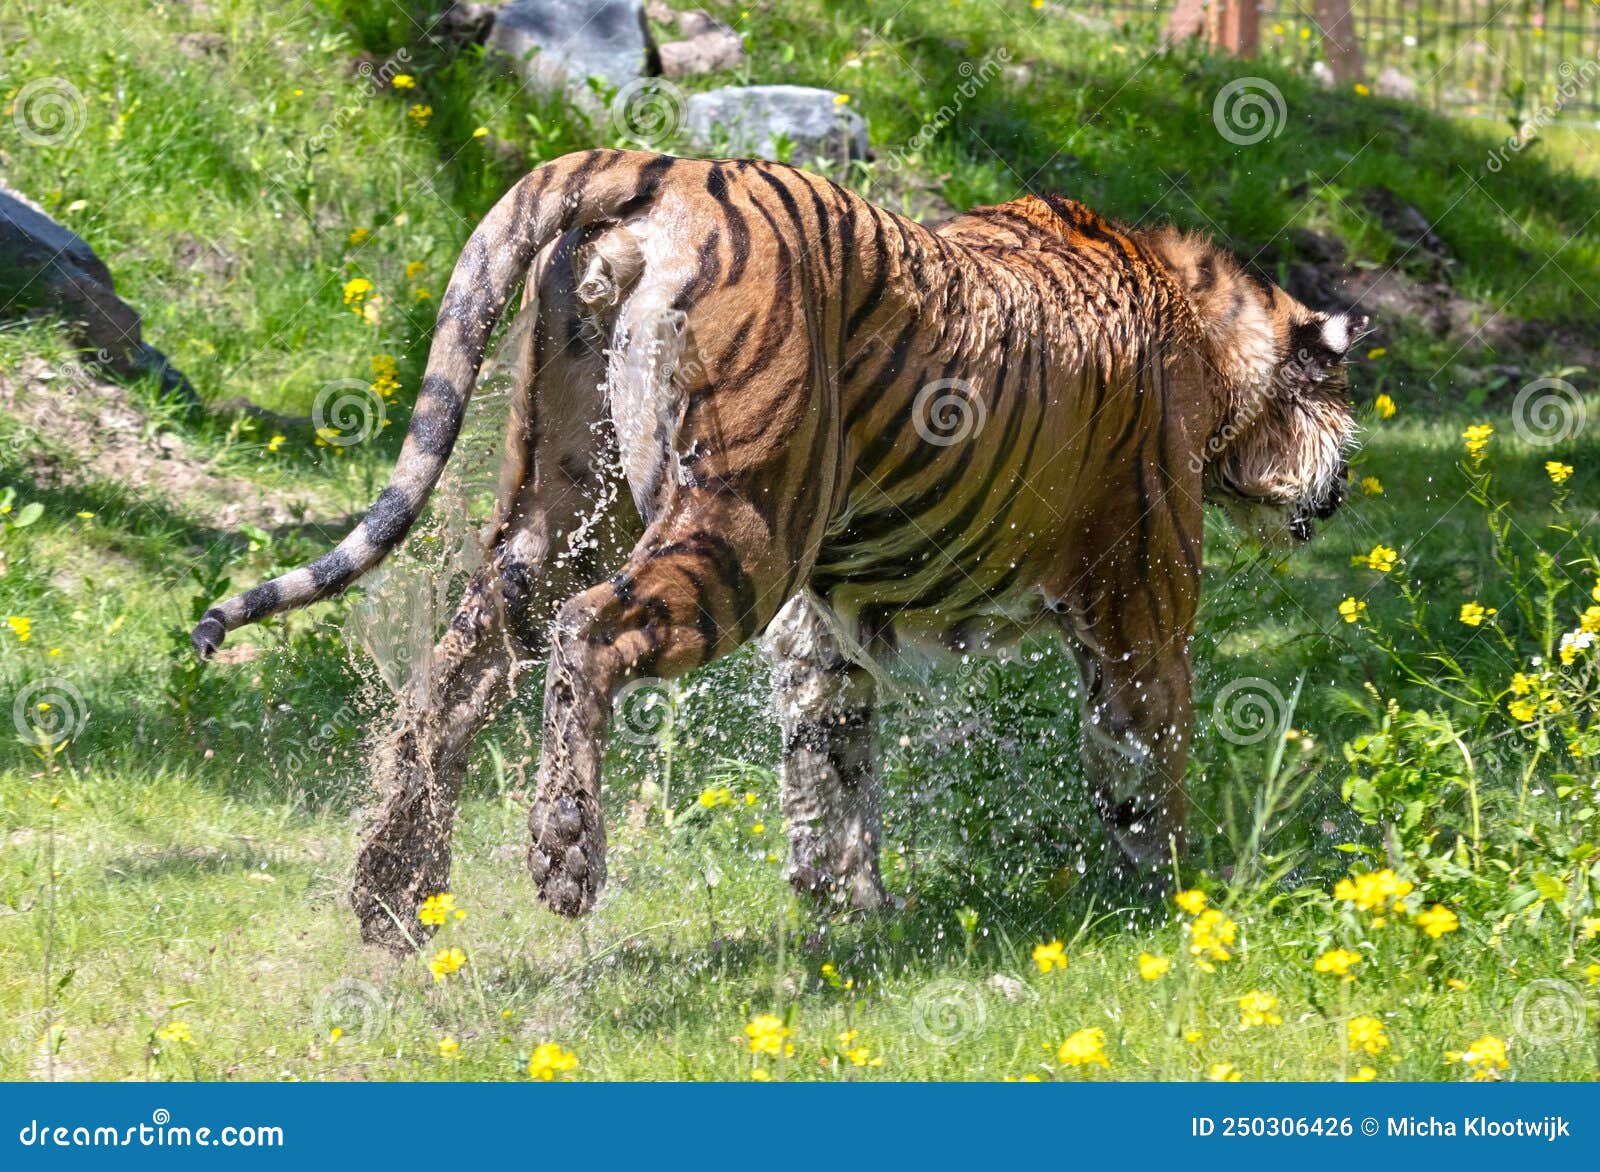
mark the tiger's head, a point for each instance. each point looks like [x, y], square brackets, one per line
[1275, 456]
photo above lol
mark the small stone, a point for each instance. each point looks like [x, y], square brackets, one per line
[751, 120]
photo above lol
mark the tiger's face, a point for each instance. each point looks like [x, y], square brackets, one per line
[1276, 459]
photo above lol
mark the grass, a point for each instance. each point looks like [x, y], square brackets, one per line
[185, 857]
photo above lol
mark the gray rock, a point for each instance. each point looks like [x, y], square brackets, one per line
[1392, 83]
[49, 271]
[748, 120]
[563, 43]
[707, 52]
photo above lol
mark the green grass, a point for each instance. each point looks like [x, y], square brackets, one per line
[202, 836]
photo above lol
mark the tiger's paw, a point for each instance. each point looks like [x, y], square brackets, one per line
[566, 857]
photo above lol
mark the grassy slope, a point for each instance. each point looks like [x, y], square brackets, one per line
[192, 868]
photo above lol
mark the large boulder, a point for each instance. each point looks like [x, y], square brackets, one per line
[708, 46]
[752, 120]
[47, 270]
[563, 43]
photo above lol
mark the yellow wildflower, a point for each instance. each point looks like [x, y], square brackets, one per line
[480, 132]
[21, 626]
[766, 1034]
[1522, 683]
[356, 292]
[359, 235]
[1192, 901]
[1153, 968]
[175, 1031]
[1476, 438]
[1351, 609]
[420, 114]
[1362, 90]
[1523, 710]
[760, 1075]
[718, 796]
[1380, 892]
[1377, 352]
[436, 909]
[1384, 405]
[414, 269]
[1457, 984]
[449, 1049]
[1363, 1074]
[403, 81]
[841, 99]
[1337, 961]
[1366, 1033]
[1589, 622]
[549, 1060]
[1372, 486]
[1209, 938]
[276, 442]
[857, 1055]
[1438, 920]
[445, 962]
[1382, 558]
[1473, 613]
[1050, 956]
[1084, 1047]
[421, 293]
[1224, 1072]
[1557, 471]
[1485, 1058]
[1257, 1008]
[1590, 927]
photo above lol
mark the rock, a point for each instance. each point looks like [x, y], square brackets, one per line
[748, 120]
[198, 46]
[709, 52]
[563, 43]
[48, 271]
[466, 21]
[1392, 83]
[697, 22]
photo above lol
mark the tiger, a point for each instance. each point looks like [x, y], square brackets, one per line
[854, 437]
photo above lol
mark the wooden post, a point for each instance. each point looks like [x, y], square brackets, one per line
[1340, 44]
[1238, 27]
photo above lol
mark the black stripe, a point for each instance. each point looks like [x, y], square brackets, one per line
[390, 518]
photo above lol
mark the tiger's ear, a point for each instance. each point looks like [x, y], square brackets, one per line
[1320, 342]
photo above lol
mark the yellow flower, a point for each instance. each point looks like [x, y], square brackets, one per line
[413, 268]
[549, 1060]
[1024, 1078]
[1351, 609]
[1084, 1047]
[719, 796]
[1457, 984]
[1438, 920]
[760, 1075]
[403, 81]
[21, 626]
[1593, 973]
[1522, 683]
[276, 442]
[1209, 938]
[445, 962]
[1193, 1037]
[175, 1031]
[1337, 961]
[385, 375]
[421, 294]
[1378, 352]
[1224, 1072]
[1153, 968]
[1485, 1058]
[356, 292]
[1523, 710]
[436, 909]
[1050, 956]
[1257, 1008]
[1476, 438]
[449, 1049]
[1366, 1033]
[335, 1034]
[1473, 613]
[1382, 558]
[1363, 1074]
[1384, 405]
[359, 236]
[480, 132]
[1558, 471]
[1372, 486]
[1590, 927]
[766, 1034]
[857, 1055]
[1379, 892]
[420, 114]
[841, 99]
[1362, 90]
[1192, 901]
[1589, 623]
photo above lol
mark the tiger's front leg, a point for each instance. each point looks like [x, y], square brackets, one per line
[826, 707]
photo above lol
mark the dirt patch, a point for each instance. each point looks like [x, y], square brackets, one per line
[77, 431]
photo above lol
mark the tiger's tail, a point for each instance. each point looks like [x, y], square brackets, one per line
[569, 192]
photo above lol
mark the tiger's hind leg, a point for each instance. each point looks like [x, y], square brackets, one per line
[826, 708]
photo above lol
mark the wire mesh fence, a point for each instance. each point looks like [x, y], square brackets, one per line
[1508, 59]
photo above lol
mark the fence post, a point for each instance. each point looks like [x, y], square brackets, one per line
[1341, 45]
[1234, 26]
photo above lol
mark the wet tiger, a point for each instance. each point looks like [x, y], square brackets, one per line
[848, 432]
